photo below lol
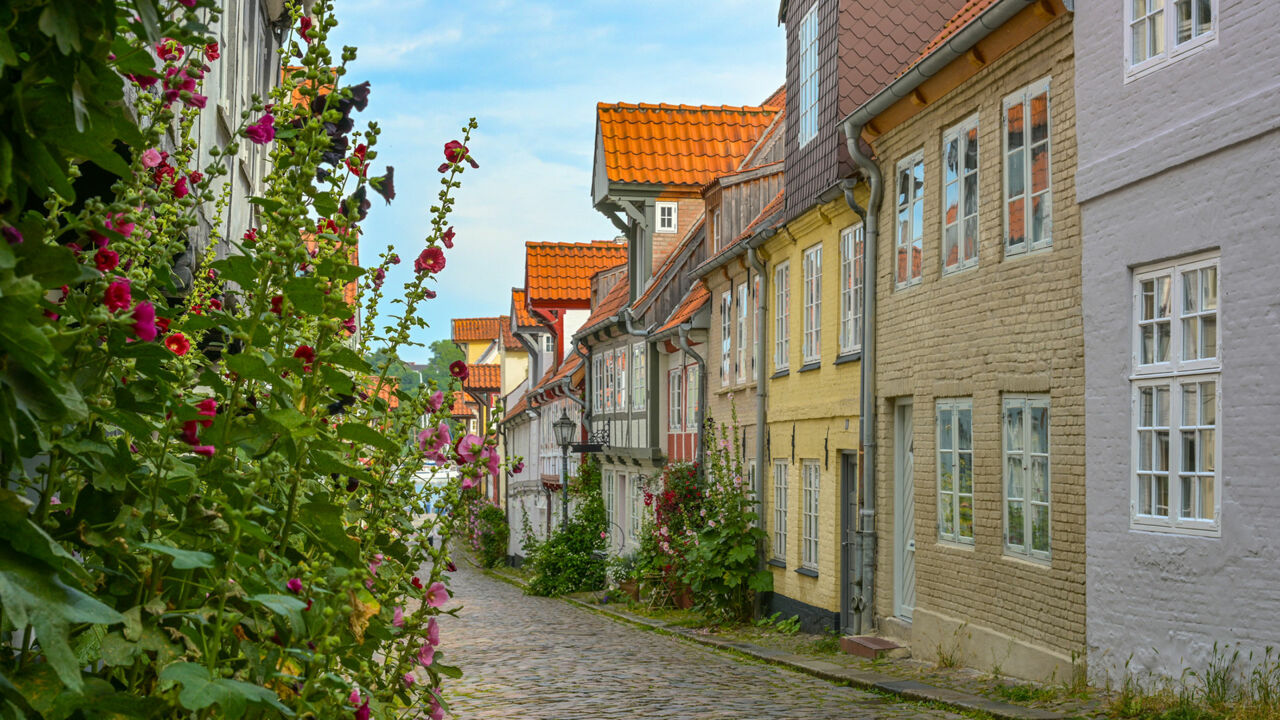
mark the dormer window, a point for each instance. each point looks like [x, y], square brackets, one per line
[715, 230]
[808, 116]
[666, 217]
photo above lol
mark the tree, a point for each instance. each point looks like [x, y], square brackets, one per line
[443, 352]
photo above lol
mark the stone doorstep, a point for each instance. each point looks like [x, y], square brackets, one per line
[864, 679]
[872, 647]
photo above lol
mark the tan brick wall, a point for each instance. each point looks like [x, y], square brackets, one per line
[818, 407]
[1008, 325]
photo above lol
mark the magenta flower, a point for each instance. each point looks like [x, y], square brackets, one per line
[118, 296]
[468, 482]
[436, 712]
[437, 595]
[409, 679]
[397, 618]
[208, 407]
[263, 131]
[447, 238]
[294, 585]
[350, 324]
[354, 697]
[431, 260]
[144, 322]
[362, 712]
[518, 468]
[377, 563]
[378, 276]
[204, 450]
[491, 459]
[426, 654]
[394, 259]
[433, 632]
[435, 401]
[469, 448]
[189, 3]
[12, 235]
[180, 188]
[106, 260]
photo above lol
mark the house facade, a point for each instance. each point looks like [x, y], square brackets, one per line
[1178, 215]
[978, 344]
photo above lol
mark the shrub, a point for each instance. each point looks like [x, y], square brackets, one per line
[493, 536]
[572, 558]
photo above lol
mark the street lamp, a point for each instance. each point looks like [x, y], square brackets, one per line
[564, 435]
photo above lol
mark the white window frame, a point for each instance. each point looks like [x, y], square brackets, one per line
[597, 375]
[609, 382]
[549, 343]
[726, 337]
[1175, 376]
[1020, 450]
[640, 379]
[780, 510]
[949, 435]
[666, 226]
[715, 230]
[610, 498]
[909, 228]
[740, 354]
[675, 398]
[1023, 98]
[755, 326]
[852, 248]
[636, 503]
[812, 338]
[782, 316]
[811, 471]
[810, 76]
[693, 398]
[620, 375]
[1168, 22]
[967, 191]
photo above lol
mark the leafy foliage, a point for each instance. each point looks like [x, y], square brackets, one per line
[571, 559]
[493, 536]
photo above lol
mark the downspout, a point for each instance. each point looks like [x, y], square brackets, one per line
[682, 341]
[753, 257]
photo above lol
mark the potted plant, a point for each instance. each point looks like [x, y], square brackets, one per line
[624, 573]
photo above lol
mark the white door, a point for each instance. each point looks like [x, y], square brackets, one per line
[904, 513]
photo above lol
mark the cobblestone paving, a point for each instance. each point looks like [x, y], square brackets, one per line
[537, 658]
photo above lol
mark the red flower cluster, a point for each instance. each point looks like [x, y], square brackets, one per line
[455, 152]
[307, 355]
[263, 131]
[459, 369]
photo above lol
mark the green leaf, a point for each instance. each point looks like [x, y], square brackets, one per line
[28, 538]
[344, 356]
[182, 559]
[199, 691]
[326, 204]
[364, 434]
[305, 294]
[324, 522]
[59, 27]
[118, 652]
[237, 268]
[287, 418]
[32, 595]
[267, 204]
[279, 604]
[150, 19]
[447, 670]
[250, 366]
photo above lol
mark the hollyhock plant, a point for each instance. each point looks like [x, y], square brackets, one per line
[151, 158]
[469, 448]
[106, 260]
[144, 321]
[435, 401]
[294, 585]
[263, 131]
[304, 28]
[447, 238]
[430, 261]
[426, 654]
[398, 617]
[433, 632]
[118, 295]
[459, 369]
[12, 235]
[178, 344]
[211, 51]
[437, 595]
[307, 355]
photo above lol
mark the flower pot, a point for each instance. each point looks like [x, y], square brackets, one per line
[631, 587]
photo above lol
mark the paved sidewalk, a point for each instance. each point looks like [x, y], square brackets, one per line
[541, 658]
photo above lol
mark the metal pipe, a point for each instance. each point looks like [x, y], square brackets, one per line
[682, 342]
[762, 325]
[865, 539]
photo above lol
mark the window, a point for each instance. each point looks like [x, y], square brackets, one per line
[807, 125]
[636, 503]
[693, 399]
[726, 338]
[611, 511]
[782, 315]
[639, 379]
[620, 395]
[549, 343]
[909, 241]
[675, 408]
[1176, 484]
[597, 379]
[812, 345]
[715, 229]
[1190, 25]
[1028, 218]
[609, 381]
[755, 334]
[851, 250]
[780, 510]
[955, 470]
[960, 196]
[1026, 475]
[809, 535]
[740, 365]
[667, 221]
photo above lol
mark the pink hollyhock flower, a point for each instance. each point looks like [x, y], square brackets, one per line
[397, 618]
[459, 369]
[204, 450]
[409, 679]
[120, 224]
[208, 407]
[491, 460]
[433, 632]
[198, 101]
[431, 260]
[189, 3]
[437, 595]
[468, 483]
[429, 294]
[55, 500]
[362, 712]
[354, 697]
[426, 654]
[447, 238]
[211, 51]
[469, 448]
[377, 563]
[434, 441]
[118, 296]
[294, 585]
[178, 344]
[436, 712]
[435, 401]
[263, 131]
[144, 321]
[106, 260]
[378, 276]
[12, 235]
[151, 158]
[350, 324]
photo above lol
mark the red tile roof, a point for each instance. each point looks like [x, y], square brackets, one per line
[509, 341]
[967, 14]
[461, 408]
[778, 100]
[386, 391]
[609, 306]
[476, 329]
[676, 144]
[484, 378]
[520, 308]
[693, 301]
[567, 368]
[559, 274]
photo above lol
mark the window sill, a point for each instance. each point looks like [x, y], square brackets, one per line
[848, 357]
[1204, 530]
[1042, 563]
[959, 269]
[956, 544]
[774, 562]
[810, 366]
[1028, 252]
[781, 373]
[807, 572]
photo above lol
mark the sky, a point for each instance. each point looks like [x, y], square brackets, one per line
[531, 74]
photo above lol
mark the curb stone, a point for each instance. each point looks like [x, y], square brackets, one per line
[864, 679]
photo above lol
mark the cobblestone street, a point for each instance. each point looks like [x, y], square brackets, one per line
[530, 657]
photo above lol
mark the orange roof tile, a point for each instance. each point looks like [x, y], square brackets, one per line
[386, 391]
[476, 329]
[509, 341]
[559, 274]
[778, 100]
[965, 15]
[676, 144]
[520, 308]
[567, 368]
[693, 301]
[461, 408]
[484, 378]
[609, 305]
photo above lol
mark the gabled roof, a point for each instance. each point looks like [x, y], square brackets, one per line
[509, 341]
[967, 14]
[476, 329]
[558, 275]
[520, 310]
[693, 301]
[676, 144]
[461, 408]
[768, 216]
[484, 377]
[609, 305]
[663, 275]
[567, 368]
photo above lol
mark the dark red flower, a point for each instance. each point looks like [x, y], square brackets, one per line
[145, 81]
[178, 344]
[211, 51]
[180, 188]
[117, 296]
[196, 176]
[431, 260]
[416, 582]
[459, 369]
[189, 3]
[215, 303]
[12, 235]
[304, 27]
[385, 185]
[277, 304]
[106, 260]
[307, 355]
[250, 236]
[168, 49]
[163, 324]
[447, 238]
